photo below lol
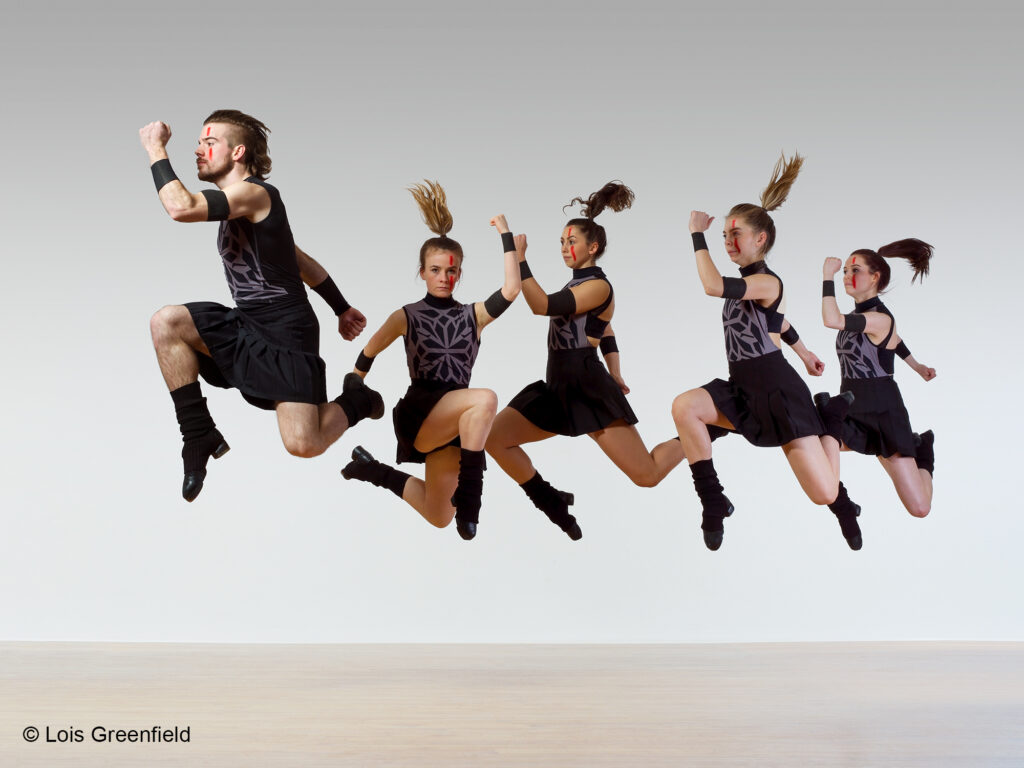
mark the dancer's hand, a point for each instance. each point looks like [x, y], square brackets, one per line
[621, 383]
[520, 246]
[813, 364]
[351, 323]
[700, 221]
[500, 222]
[925, 372]
[831, 266]
[155, 135]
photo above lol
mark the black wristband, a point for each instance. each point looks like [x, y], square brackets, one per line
[496, 304]
[163, 174]
[561, 303]
[855, 322]
[508, 242]
[699, 242]
[608, 345]
[329, 292]
[902, 351]
[524, 270]
[733, 287]
[790, 336]
[828, 288]
[363, 362]
[217, 207]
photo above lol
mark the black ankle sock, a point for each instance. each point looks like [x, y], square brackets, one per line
[471, 485]
[712, 496]
[549, 500]
[379, 474]
[846, 512]
[926, 452]
[194, 418]
[357, 400]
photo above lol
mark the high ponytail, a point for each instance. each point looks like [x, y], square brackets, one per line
[916, 252]
[773, 196]
[614, 195]
[433, 204]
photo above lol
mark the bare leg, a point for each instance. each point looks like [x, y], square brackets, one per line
[308, 430]
[622, 444]
[177, 342]
[510, 430]
[813, 468]
[432, 497]
[914, 485]
[692, 412]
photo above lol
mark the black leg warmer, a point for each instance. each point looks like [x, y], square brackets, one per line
[366, 468]
[553, 503]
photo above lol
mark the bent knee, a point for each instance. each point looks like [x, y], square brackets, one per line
[647, 479]
[441, 515]
[823, 495]
[487, 400]
[919, 510]
[684, 407]
[302, 448]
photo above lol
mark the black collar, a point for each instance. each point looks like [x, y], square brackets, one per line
[588, 272]
[871, 303]
[437, 303]
[757, 267]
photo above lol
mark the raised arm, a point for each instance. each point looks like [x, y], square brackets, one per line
[568, 301]
[392, 328]
[752, 287]
[500, 300]
[234, 201]
[351, 321]
[875, 324]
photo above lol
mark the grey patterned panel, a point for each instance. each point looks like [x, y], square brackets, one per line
[441, 343]
[242, 264]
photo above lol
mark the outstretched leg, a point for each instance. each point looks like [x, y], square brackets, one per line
[177, 344]
[623, 445]
[692, 413]
[510, 431]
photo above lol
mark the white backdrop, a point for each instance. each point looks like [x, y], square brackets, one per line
[909, 119]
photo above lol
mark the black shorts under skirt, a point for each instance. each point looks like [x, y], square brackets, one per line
[766, 401]
[268, 353]
[412, 410]
[878, 423]
[578, 397]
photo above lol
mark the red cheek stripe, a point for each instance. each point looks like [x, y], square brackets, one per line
[854, 282]
[211, 153]
[572, 250]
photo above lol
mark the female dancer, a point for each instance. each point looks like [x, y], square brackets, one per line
[764, 399]
[878, 424]
[440, 422]
[579, 396]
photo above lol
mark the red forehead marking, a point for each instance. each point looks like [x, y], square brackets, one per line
[854, 259]
[734, 223]
[451, 260]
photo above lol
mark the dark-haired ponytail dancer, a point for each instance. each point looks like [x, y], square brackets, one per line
[440, 422]
[267, 346]
[764, 399]
[878, 424]
[579, 396]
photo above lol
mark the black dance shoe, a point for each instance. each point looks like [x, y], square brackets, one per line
[466, 528]
[848, 525]
[361, 460]
[712, 527]
[371, 401]
[201, 450]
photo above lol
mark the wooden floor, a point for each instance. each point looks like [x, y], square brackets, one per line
[819, 704]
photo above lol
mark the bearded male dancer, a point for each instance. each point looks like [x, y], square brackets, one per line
[267, 347]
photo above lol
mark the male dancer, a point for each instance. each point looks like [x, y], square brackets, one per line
[268, 345]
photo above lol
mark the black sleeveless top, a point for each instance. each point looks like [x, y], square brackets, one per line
[441, 341]
[571, 331]
[859, 357]
[747, 324]
[259, 258]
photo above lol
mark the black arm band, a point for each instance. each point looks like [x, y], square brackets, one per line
[496, 304]
[608, 345]
[163, 174]
[733, 287]
[790, 336]
[524, 271]
[828, 288]
[854, 322]
[699, 242]
[217, 208]
[508, 243]
[561, 303]
[363, 362]
[902, 351]
[329, 292]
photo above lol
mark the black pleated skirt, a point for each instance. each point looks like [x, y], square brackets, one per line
[269, 353]
[766, 401]
[878, 423]
[412, 410]
[578, 397]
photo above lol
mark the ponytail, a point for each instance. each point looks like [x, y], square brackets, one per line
[614, 195]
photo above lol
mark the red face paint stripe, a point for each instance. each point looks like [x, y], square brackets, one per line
[572, 248]
[451, 260]
[211, 153]
[208, 130]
